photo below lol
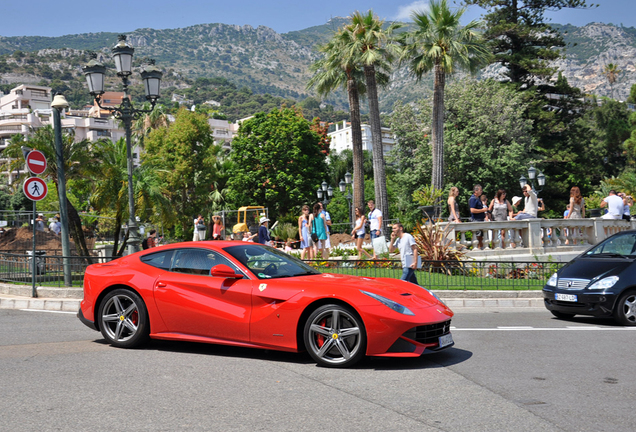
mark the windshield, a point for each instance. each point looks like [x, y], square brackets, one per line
[269, 263]
[623, 245]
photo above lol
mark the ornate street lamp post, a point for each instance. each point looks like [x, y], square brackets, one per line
[532, 174]
[326, 191]
[59, 103]
[345, 187]
[151, 76]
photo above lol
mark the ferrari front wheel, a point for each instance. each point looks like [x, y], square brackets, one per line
[335, 336]
[123, 319]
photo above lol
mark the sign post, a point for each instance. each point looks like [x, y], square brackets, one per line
[35, 189]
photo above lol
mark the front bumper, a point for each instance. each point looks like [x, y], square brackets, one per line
[587, 303]
[87, 323]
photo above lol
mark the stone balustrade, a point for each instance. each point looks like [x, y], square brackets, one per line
[534, 237]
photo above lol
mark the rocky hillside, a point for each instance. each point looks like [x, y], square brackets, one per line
[269, 62]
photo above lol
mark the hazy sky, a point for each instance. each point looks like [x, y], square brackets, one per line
[51, 18]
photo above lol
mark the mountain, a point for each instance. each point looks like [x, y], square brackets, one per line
[268, 62]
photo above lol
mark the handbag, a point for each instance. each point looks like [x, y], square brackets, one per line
[314, 236]
[379, 245]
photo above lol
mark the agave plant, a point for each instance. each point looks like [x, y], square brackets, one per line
[434, 244]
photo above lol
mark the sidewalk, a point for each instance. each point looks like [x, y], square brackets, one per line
[68, 299]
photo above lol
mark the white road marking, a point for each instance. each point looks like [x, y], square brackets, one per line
[49, 311]
[542, 328]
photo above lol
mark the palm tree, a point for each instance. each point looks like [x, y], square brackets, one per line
[142, 126]
[441, 44]
[79, 161]
[611, 72]
[111, 189]
[337, 70]
[373, 46]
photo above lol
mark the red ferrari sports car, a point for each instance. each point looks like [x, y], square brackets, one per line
[246, 294]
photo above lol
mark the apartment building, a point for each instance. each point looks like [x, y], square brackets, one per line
[26, 107]
[340, 134]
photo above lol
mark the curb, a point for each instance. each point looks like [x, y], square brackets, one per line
[46, 304]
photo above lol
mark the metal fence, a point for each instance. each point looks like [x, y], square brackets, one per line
[439, 275]
[452, 275]
[49, 270]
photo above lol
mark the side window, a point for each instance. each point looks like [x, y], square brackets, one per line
[198, 261]
[160, 260]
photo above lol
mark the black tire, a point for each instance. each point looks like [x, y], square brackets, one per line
[625, 309]
[562, 315]
[335, 336]
[123, 319]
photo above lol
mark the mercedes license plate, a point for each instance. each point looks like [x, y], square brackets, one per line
[445, 340]
[565, 297]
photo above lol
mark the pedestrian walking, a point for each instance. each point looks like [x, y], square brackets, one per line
[217, 228]
[304, 228]
[319, 227]
[358, 233]
[453, 206]
[408, 252]
[477, 212]
[263, 232]
[375, 223]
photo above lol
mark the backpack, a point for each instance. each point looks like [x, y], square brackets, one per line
[144, 244]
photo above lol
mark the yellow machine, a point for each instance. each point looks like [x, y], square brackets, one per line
[248, 219]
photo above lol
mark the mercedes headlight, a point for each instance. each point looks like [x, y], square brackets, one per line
[389, 303]
[553, 280]
[605, 283]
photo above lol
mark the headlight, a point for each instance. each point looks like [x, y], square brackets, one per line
[389, 303]
[554, 279]
[605, 283]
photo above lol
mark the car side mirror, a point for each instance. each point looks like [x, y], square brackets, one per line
[224, 271]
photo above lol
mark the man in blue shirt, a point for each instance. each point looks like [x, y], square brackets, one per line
[263, 232]
[477, 213]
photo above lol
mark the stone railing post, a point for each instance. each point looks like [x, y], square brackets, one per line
[534, 236]
[598, 231]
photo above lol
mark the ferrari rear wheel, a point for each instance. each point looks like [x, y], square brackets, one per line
[625, 312]
[335, 336]
[123, 319]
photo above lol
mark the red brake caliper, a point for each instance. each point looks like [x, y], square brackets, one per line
[134, 317]
[320, 339]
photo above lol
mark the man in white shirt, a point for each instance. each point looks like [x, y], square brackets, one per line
[375, 223]
[614, 205]
[55, 226]
[531, 204]
[408, 252]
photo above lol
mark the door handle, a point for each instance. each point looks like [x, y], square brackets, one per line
[161, 284]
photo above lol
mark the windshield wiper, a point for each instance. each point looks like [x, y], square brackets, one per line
[611, 255]
[307, 273]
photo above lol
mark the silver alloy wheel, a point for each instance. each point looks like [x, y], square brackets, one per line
[334, 336]
[628, 308]
[120, 318]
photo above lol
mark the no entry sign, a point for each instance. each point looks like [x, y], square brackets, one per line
[35, 189]
[36, 162]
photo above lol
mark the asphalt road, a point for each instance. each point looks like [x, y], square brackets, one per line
[510, 370]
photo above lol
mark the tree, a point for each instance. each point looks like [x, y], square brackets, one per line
[337, 70]
[183, 155]
[366, 39]
[80, 163]
[149, 121]
[278, 161]
[611, 72]
[439, 43]
[487, 138]
[520, 39]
